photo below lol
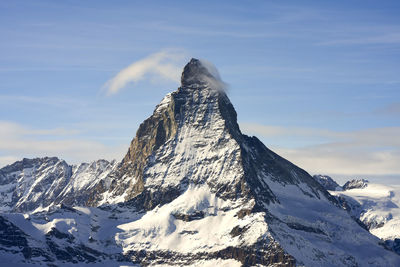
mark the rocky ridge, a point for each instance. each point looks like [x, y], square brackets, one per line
[355, 183]
[327, 182]
[39, 183]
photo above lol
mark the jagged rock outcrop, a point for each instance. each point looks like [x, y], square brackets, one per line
[355, 183]
[327, 182]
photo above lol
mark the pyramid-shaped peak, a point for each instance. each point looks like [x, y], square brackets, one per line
[199, 72]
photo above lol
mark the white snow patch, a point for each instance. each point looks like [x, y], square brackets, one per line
[159, 229]
[380, 208]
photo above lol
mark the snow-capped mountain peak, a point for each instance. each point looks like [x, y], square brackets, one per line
[198, 72]
[193, 189]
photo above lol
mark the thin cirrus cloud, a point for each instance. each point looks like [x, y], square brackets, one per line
[164, 65]
[18, 141]
[374, 151]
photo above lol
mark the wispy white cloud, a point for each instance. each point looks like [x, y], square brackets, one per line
[216, 82]
[166, 65]
[11, 129]
[333, 160]
[373, 151]
[18, 141]
[373, 137]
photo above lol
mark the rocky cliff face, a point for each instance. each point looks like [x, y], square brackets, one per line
[194, 190]
[193, 138]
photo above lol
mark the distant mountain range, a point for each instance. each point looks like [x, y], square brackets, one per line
[192, 190]
[376, 206]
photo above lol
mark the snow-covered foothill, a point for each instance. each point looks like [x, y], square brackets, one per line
[378, 208]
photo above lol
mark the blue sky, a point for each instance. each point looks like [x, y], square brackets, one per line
[316, 81]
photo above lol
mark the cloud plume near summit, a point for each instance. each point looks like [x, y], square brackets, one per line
[164, 65]
[216, 82]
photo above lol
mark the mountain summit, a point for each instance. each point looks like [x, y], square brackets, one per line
[195, 73]
[193, 190]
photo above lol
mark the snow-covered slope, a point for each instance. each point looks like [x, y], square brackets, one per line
[193, 190]
[377, 206]
[42, 182]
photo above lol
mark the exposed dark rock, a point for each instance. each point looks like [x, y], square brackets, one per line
[14, 240]
[300, 227]
[80, 253]
[194, 73]
[243, 212]
[57, 234]
[197, 215]
[67, 208]
[360, 183]
[11, 236]
[186, 232]
[237, 230]
[263, 253]
[393, 245]
[327, 182]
